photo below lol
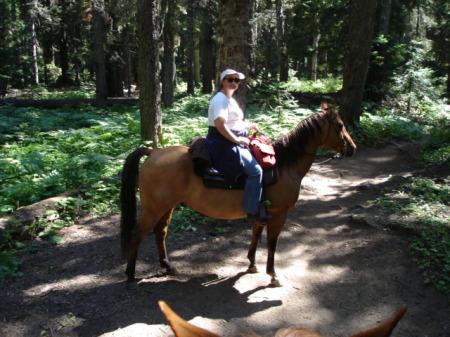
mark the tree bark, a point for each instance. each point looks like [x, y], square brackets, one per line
[234, 41]
[361, 27]
[34, 55]
[101, 90]
[114, 56]
[190, 47]
[282, 56]
[33, 43]
[315, 55]
[207, 49]
[63, 58]
[149, 70]
[170, 48]
[128, 68]
[47, 41]
[63, 43]
[384, 10]
[448, 74]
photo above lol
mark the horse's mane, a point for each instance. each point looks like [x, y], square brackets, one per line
[293, 144]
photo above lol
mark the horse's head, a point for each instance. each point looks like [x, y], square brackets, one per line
[337, 139]
[182, 328]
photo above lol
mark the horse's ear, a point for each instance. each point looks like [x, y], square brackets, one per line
[324, 106]
[385, 329]
[180, 327]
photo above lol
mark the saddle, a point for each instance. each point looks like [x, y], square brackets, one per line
[203, 167]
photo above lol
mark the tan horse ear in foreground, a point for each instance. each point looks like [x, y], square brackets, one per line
[182, 328]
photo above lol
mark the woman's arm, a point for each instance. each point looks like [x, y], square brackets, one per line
[222, 127]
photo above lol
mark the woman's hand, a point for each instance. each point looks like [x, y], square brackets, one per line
[222, 127]
[243, 141]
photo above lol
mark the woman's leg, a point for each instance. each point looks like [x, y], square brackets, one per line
[253, 185]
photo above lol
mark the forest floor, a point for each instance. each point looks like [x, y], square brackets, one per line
[341, 270]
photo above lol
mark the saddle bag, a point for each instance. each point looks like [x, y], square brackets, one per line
[263, 150]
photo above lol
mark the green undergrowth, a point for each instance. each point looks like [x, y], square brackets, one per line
[420, 205]
[47, 152]
[428, 125]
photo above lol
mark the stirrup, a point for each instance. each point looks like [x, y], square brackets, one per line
[262, 215]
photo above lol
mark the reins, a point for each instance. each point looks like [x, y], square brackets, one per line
[336, 156]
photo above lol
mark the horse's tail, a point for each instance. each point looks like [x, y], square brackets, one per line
[128, 205]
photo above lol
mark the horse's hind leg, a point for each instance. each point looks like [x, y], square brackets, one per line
[256, 237]
[136, 240]
[145, 225]
[160, 231]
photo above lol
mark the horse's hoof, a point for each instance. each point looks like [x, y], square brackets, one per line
[172, 271]
[131, 285]
[252, 270]
[275, 283]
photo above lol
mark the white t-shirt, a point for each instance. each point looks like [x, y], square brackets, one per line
[227, 108]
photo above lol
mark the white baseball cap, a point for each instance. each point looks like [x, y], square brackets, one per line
[231, 72]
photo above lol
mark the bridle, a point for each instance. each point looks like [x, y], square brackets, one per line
[331, 123]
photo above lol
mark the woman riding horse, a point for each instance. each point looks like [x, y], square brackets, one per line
[228, 143]
[167, 178]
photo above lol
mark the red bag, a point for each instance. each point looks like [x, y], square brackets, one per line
[262, 150]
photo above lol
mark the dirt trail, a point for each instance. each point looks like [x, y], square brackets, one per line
[341, 274]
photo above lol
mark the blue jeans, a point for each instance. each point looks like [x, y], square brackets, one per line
[253, 185]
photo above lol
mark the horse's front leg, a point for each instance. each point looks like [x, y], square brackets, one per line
[160, 231]
[256, 238]
[273, 232]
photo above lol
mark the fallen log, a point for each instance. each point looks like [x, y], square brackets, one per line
[23, 217]
[312, 99]
[59, 103]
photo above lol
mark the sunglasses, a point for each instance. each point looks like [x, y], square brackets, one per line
[237, 80]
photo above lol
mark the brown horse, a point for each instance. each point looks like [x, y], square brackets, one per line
[166, 178]
[182, 328]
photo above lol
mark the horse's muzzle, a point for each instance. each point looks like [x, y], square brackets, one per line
[349, 150]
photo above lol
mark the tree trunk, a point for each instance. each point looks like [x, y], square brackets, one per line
[63, 58]
[32, 14]
[384, 10]
[128, 72]
[114, 57]
[76, 47]
[379, 73]
[234, 37]
[315, 55]
[196, 58]
[270, 42]
[114, 76]
[207, 49]
[283, 69]
[149, 71]
[34, 53]
[190, 47]
[448, 73]
[98, 13]
[47, 41]
[170, 47]
[361, 27]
